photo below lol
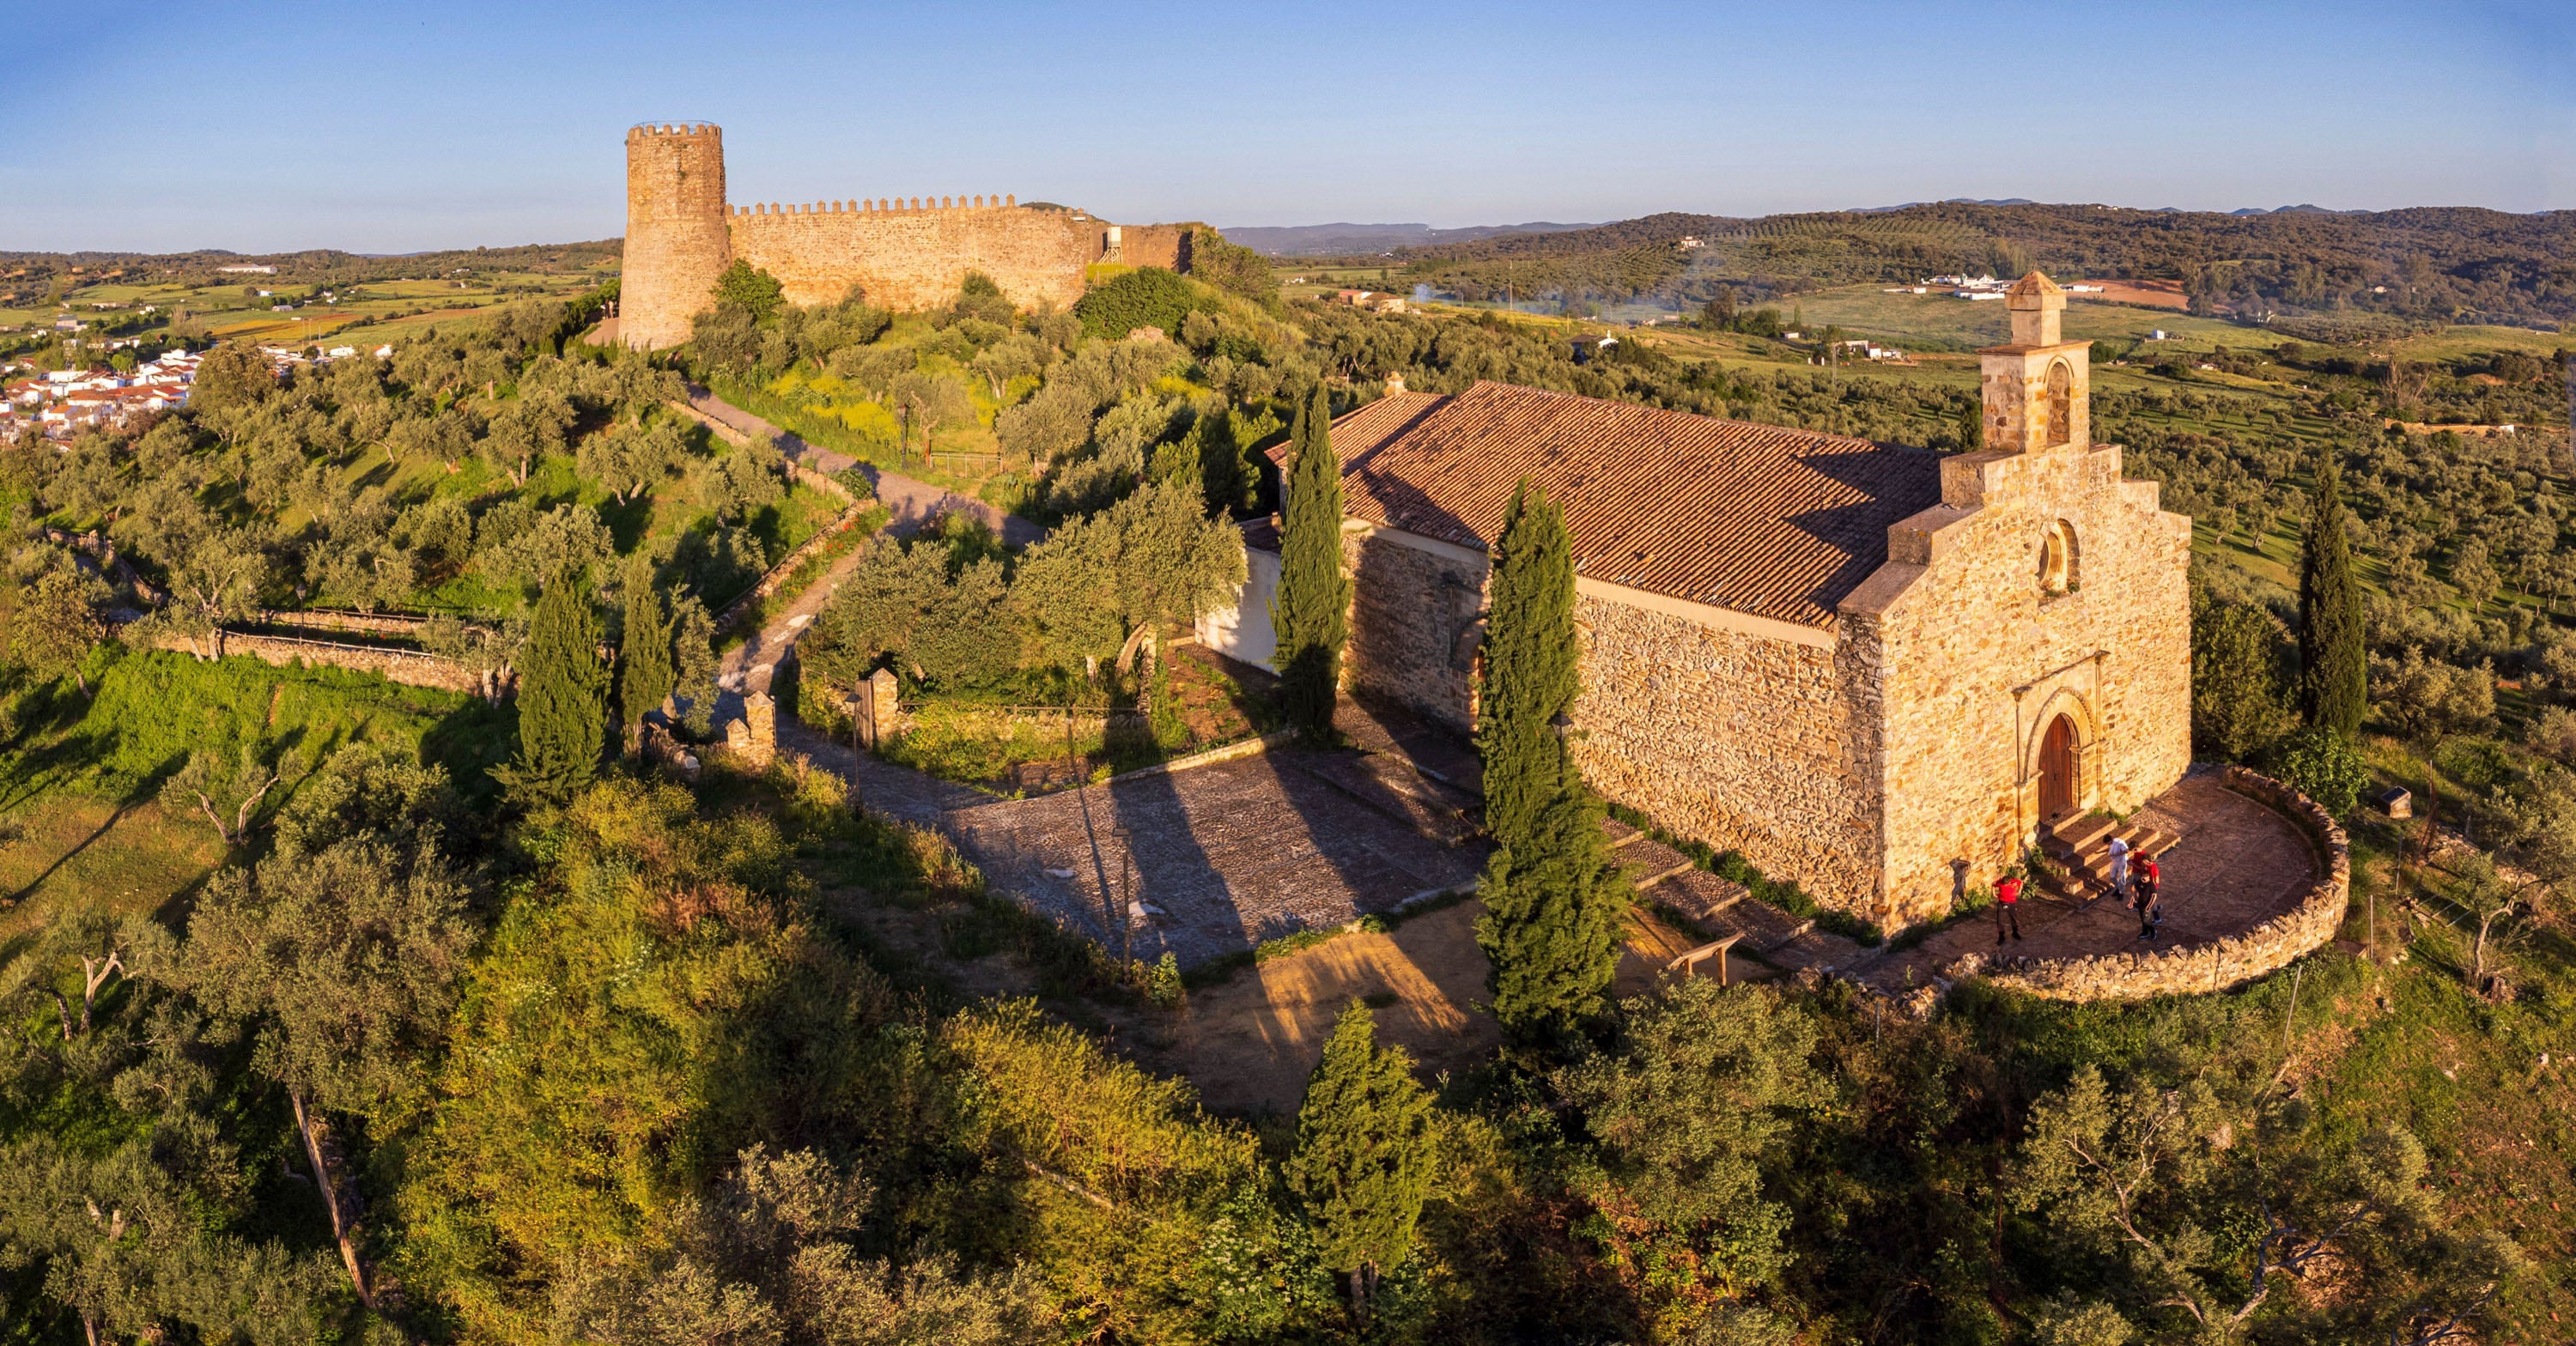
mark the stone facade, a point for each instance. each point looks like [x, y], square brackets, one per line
[903, 252]
[1746, 741]
[1862, 759]
[1977, 658]
[2216, 965]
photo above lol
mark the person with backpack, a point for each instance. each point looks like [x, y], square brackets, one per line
[2148, 881]
[2007, 905]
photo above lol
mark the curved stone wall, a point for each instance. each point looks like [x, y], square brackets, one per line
[2218, 964]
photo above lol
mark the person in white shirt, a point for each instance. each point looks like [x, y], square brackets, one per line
[2120, 871]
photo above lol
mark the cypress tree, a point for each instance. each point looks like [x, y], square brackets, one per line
[1221, 474]
[645, 670]
[1309, 614]
[1364, 1154]
[1529, 677]
[1553, 900]
[2334, 666]
[563, 700]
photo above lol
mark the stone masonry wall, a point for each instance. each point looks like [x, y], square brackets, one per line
[1978, 660]
[408, 667]
[1743, 741]
[1163, 245]
[1416, 616]
[675, 231]
[915, 258]
[2215, 966]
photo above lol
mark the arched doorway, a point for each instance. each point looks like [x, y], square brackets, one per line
[2057, 767]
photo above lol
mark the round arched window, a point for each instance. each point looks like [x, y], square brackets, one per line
[2057, 559]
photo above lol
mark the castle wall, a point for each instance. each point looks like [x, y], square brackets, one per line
[1163, 245]
[915, 258]
[1979, 658]
[907, 253]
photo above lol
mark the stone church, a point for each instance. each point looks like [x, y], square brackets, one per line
[1857, 663]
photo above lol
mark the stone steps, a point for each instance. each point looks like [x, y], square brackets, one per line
[2083, 846]
[1721, 907]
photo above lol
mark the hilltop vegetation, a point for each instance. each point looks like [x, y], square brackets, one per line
[346, 1042]
[2446, 264]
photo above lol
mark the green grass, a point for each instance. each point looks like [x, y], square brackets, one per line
[151, 709]
[79, 776]
[73, 848]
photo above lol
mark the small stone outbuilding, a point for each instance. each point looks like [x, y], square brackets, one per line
[1854, 662]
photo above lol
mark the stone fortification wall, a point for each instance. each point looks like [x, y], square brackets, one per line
[907, 256]
[2215, 966]
[675, 231]
[1980, 656]
[904, 252]
[1745, 741]
[1163, 245]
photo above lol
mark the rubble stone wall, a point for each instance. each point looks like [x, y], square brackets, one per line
[1747, 742]
[403, 666]
[1417, 617]
[916, 258]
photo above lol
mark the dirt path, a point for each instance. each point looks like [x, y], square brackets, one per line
[913, 502]
[1249, 1042]
[750, 666]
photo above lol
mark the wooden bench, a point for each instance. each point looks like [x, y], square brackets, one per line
[1687, 962]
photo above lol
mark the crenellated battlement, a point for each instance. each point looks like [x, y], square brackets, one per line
[907, 253]
[640, 130]
[878, 206]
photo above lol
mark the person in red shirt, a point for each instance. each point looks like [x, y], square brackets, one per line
[2007, 906]
[2149, 882]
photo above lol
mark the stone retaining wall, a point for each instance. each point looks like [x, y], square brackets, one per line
[2217, 965]
[778, 574]
[334, 619]
[409, 667]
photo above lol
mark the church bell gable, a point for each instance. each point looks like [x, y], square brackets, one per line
[2036, 387]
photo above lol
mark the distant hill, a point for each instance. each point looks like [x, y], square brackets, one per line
[1327, 240]
[319, 266]
[2441, 263]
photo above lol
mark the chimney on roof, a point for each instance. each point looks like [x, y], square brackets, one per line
[1394, 384]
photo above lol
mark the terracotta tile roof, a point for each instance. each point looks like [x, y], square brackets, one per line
[1763, 520]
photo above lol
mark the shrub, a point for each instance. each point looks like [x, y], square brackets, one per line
[1146, 297]
[2324, 766]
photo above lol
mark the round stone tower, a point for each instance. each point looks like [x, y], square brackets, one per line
[676, 241]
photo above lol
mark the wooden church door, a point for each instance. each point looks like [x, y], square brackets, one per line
[2057, 770]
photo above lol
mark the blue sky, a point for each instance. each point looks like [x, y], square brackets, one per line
[397, 127]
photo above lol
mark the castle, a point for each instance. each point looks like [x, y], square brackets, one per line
[1859, 664]
[903, 252]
